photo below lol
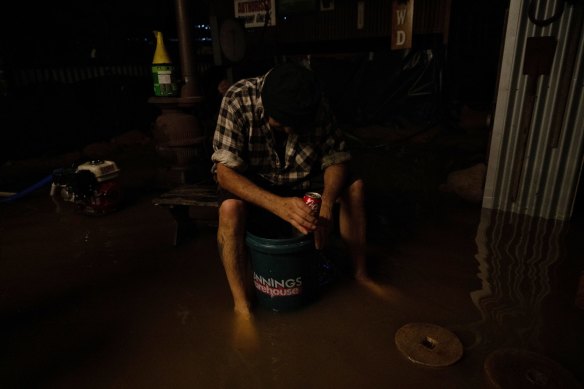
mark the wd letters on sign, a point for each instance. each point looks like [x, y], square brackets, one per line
[254, 12]
[401, 24]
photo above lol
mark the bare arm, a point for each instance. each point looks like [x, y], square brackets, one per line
[291, 209]
[334, 179]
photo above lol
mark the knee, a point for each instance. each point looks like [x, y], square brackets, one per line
[232, 213]
[356, 191]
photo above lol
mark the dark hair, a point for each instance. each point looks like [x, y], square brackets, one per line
[291, 95]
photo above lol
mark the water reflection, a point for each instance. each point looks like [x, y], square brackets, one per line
[517, 257]
[245, 333]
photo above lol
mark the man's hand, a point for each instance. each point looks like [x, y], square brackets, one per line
[295, 211]
[325, 224]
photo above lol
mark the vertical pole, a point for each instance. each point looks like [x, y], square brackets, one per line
[189, 87]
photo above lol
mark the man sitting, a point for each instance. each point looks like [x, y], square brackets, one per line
[276, 139]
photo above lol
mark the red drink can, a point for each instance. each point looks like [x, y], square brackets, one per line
[313, 200]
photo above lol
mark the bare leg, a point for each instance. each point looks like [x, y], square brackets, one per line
[352, 225]
[230, 240]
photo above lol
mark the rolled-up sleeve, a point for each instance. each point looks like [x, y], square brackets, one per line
[229, 138]
[334, 147]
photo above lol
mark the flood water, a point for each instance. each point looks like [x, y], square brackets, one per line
[109, 302]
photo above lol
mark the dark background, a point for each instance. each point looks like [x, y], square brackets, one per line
[48, 107]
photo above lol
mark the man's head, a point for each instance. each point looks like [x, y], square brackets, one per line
[291, 96]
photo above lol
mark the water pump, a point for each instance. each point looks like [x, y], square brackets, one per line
[92, 186]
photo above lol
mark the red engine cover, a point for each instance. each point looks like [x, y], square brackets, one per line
[108, 197]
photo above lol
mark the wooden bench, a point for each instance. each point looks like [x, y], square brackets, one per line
[179, 201]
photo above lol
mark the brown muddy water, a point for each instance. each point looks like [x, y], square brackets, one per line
[108, 302]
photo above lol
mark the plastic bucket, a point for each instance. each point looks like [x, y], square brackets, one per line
[284, 271]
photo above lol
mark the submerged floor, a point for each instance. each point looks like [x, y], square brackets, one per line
[108, 302]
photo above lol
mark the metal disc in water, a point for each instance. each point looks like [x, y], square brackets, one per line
[428, 344]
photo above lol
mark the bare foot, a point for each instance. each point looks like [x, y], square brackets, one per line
[362, 277]
[243, 310]
[245, 334]
[383, 291]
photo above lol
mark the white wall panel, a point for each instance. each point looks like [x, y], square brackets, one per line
[550, 173]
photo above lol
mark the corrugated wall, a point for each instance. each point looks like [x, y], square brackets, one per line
[553, 158]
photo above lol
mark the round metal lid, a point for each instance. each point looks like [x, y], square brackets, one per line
[516, 368]
[428, 344]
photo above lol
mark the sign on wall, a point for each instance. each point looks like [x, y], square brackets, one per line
[254, 12]
[401, 24]
[327, 5]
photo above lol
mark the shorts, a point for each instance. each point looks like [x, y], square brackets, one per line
[264, 223]
[316, 185]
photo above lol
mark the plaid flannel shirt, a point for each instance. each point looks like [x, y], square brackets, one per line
[244, 142]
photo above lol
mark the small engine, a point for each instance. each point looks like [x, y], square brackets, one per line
[92, 186]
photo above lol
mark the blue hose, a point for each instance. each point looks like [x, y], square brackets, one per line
[47, 180]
